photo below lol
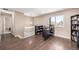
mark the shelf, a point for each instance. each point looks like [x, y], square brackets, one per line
[74, 35]
[76, 24]
[74, 28]
[75, 20]
[74, 41]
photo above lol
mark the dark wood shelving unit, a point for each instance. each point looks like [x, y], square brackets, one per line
[75, 28]
[38, 29]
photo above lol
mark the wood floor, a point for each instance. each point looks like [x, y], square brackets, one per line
[9, 42]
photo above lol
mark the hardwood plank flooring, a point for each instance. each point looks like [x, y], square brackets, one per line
[36, 42]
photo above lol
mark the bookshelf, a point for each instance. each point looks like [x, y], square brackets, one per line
[75, 28]
[38, 29]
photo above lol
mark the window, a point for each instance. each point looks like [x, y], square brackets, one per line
[57, 21]
[53, 21]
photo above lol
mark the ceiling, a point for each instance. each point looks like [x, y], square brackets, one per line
[36, 11]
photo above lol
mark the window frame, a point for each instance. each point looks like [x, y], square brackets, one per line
[56, 21]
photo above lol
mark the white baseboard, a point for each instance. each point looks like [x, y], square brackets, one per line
[19, 36]
[62, 36]
[6, 32]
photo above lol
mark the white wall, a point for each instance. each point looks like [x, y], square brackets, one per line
[21, 21]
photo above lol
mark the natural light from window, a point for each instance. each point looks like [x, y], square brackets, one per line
[57, 21]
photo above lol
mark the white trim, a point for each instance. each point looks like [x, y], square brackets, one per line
[4, 25]
[19, 36]
[7, 32]
[62, 36]
[13, 27]
[5, 11]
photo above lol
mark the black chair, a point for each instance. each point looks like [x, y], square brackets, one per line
[46, 34]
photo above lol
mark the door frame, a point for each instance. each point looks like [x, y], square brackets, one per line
[12, 13]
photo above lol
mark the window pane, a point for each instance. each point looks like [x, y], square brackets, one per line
[59, 21]
[52, 20]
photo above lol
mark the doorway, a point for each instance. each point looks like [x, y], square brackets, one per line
[6, 24]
